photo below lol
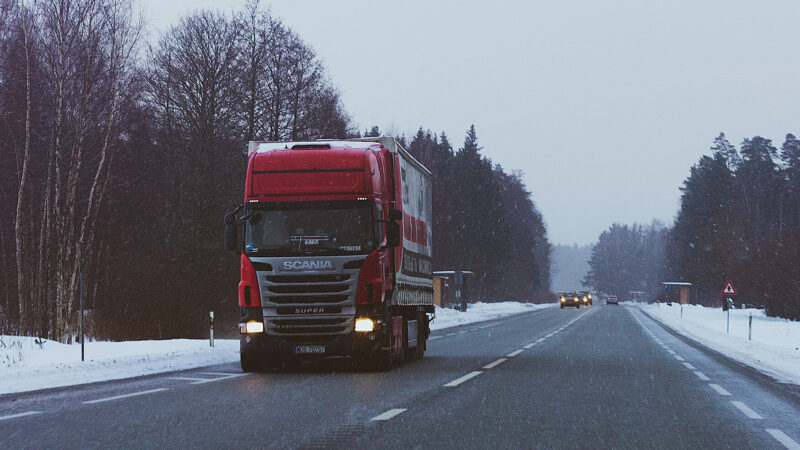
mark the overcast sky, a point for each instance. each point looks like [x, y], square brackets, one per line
[604, 105]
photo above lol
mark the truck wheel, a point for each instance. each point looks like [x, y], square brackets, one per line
[250, 361]
[417, 352]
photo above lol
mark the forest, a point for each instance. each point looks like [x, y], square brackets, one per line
[119, 158]
[739, 220]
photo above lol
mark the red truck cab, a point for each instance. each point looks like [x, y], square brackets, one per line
[322, 254]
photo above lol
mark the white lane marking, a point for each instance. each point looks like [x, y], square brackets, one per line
[433, 338]
[117, 397]
[515, 353]
[549, 335]
[781, 437]
[720, 390]
[494, 364]
[746, 410]
[227, 376]
[388, 414]
[462, 332]
[450, 334]
[672, 352]
[466, 377]
[530, 345]
[679, 358]
[24, 414]
[540, 340]
[689, 366]
[701, 375]
[187, 378]
[221, 374]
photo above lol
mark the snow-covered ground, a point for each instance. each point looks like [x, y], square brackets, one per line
[476, 312]
[773, 350]
[26, 365]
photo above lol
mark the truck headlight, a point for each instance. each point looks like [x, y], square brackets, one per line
[365, 325]
[252, 327]
[562, 300]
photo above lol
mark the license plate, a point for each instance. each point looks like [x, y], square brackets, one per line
[309, 349]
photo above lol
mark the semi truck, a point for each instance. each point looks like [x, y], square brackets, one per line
[334, 240]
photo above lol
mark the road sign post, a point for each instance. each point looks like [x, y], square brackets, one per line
[727, 301]
[728, 325]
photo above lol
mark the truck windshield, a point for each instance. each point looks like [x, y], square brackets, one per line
[319, 228]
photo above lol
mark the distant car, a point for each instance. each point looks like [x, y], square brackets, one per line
[586, 296]
[569, 298]
[612, 300]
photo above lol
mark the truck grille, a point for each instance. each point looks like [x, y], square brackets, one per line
[309, 304]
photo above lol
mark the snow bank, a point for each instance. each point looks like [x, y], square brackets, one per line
[26, 365]
[480, 311]
[773, 350]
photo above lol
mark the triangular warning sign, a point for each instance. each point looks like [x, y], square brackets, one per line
[729, 289]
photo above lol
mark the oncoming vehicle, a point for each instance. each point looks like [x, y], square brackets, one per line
[612, 300]
[569, 298]
[586, 297]
[336, 253]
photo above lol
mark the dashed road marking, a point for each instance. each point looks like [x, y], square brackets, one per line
[530, 345]
[689, 366]
[187, 378]
[746, 410]
[466, 377]
[433, 338]
[388, 414]
[117, 397]
[494, 364]
[671, 352]
[781, 437]
[222, 376]
[515, 353]
[540, 340]
[549, 335]
[720, 390]
[679, 358]
[24, 414]
[701, 375]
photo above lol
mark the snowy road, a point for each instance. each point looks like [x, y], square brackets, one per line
[594, 378]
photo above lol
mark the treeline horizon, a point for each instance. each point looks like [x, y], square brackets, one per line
[119, 159]
[739, 220]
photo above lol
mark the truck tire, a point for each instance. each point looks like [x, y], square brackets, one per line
[417, 352]
[250, 361]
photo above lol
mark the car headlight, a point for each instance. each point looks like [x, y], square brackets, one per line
[365, 325]
[562, 299]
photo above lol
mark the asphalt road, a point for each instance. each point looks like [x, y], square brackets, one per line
[598, 377]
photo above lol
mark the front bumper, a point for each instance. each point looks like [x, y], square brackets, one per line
[352, 344]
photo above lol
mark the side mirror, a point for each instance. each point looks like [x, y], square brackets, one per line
[395, 214]
[392, 234]
[230, 233]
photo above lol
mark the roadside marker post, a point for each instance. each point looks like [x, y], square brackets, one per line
[750, 328]
[211, 328]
